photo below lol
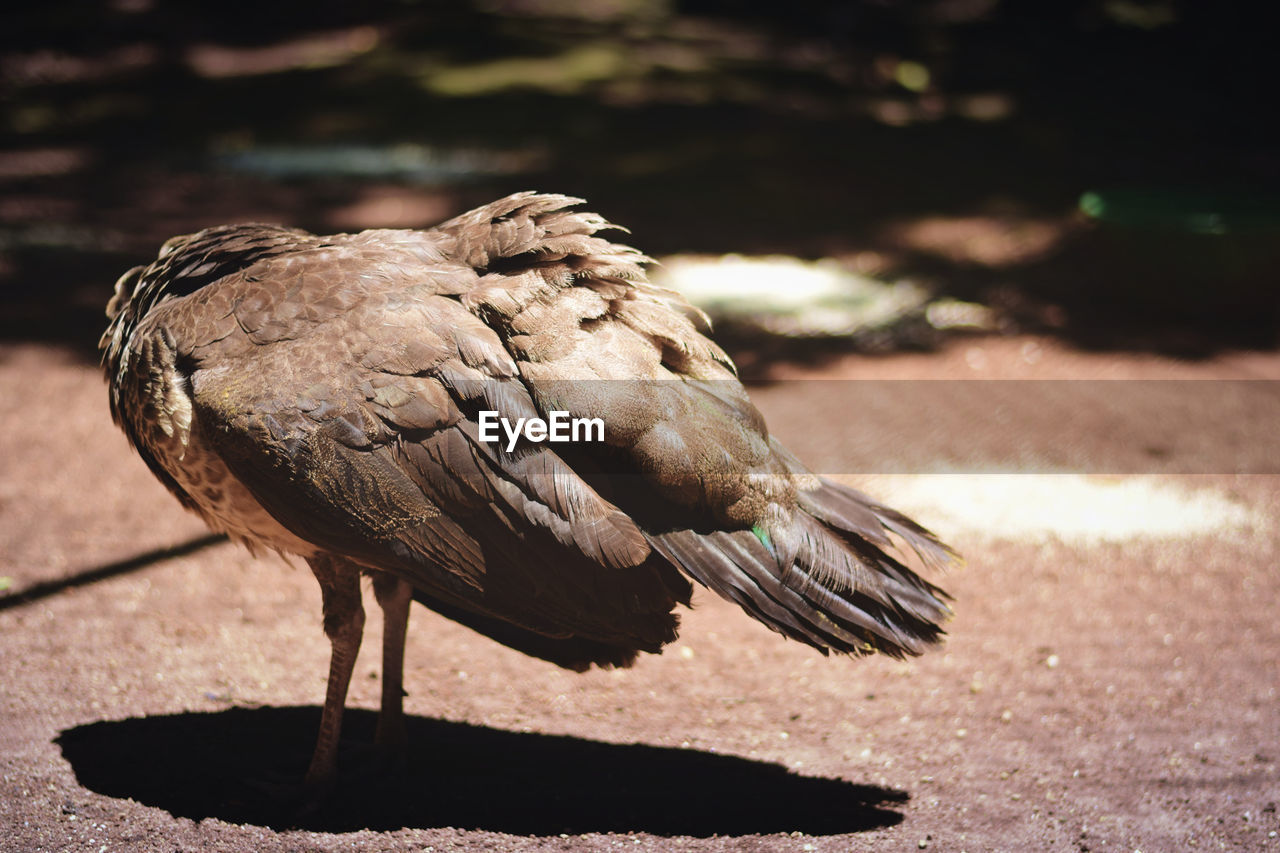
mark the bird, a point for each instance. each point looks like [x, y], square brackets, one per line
[337, 398]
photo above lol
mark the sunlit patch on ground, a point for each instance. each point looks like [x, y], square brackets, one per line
[985, 240]
[1071, 508]
[783, 295]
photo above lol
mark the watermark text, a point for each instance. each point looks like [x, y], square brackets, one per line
[560, 426]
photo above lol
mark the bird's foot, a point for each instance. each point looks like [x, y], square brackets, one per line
[302, 801]
[295, 800]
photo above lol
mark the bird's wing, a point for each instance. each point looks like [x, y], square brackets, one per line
[343, 389]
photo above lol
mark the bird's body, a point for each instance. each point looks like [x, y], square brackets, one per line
[324, 396]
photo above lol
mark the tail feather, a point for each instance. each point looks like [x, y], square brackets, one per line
[927, 546]
[846, 628]
[842, 592]
[723, 563]
[849, 510]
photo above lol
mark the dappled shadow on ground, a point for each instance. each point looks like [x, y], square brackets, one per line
[909, 138]
[203, 765]
[84, 577]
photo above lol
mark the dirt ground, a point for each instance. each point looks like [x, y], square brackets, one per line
[1108, 683]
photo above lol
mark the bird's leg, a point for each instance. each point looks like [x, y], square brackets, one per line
[344, 624]
[394, 596]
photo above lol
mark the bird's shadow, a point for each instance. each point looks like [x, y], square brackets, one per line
[201, 765]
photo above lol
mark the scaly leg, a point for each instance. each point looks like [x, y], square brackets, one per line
[344, 624]
[394, 596]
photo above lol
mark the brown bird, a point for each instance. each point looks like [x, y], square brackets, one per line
[337, 398]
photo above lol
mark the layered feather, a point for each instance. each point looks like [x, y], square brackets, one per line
[333, 385]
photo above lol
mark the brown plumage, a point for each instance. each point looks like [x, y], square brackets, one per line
[321, 396]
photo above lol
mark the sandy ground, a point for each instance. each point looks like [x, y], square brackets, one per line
[1109, 681]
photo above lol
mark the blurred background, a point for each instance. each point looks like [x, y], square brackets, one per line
[872, 174]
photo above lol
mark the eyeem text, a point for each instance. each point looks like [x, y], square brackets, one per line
[558, 427]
